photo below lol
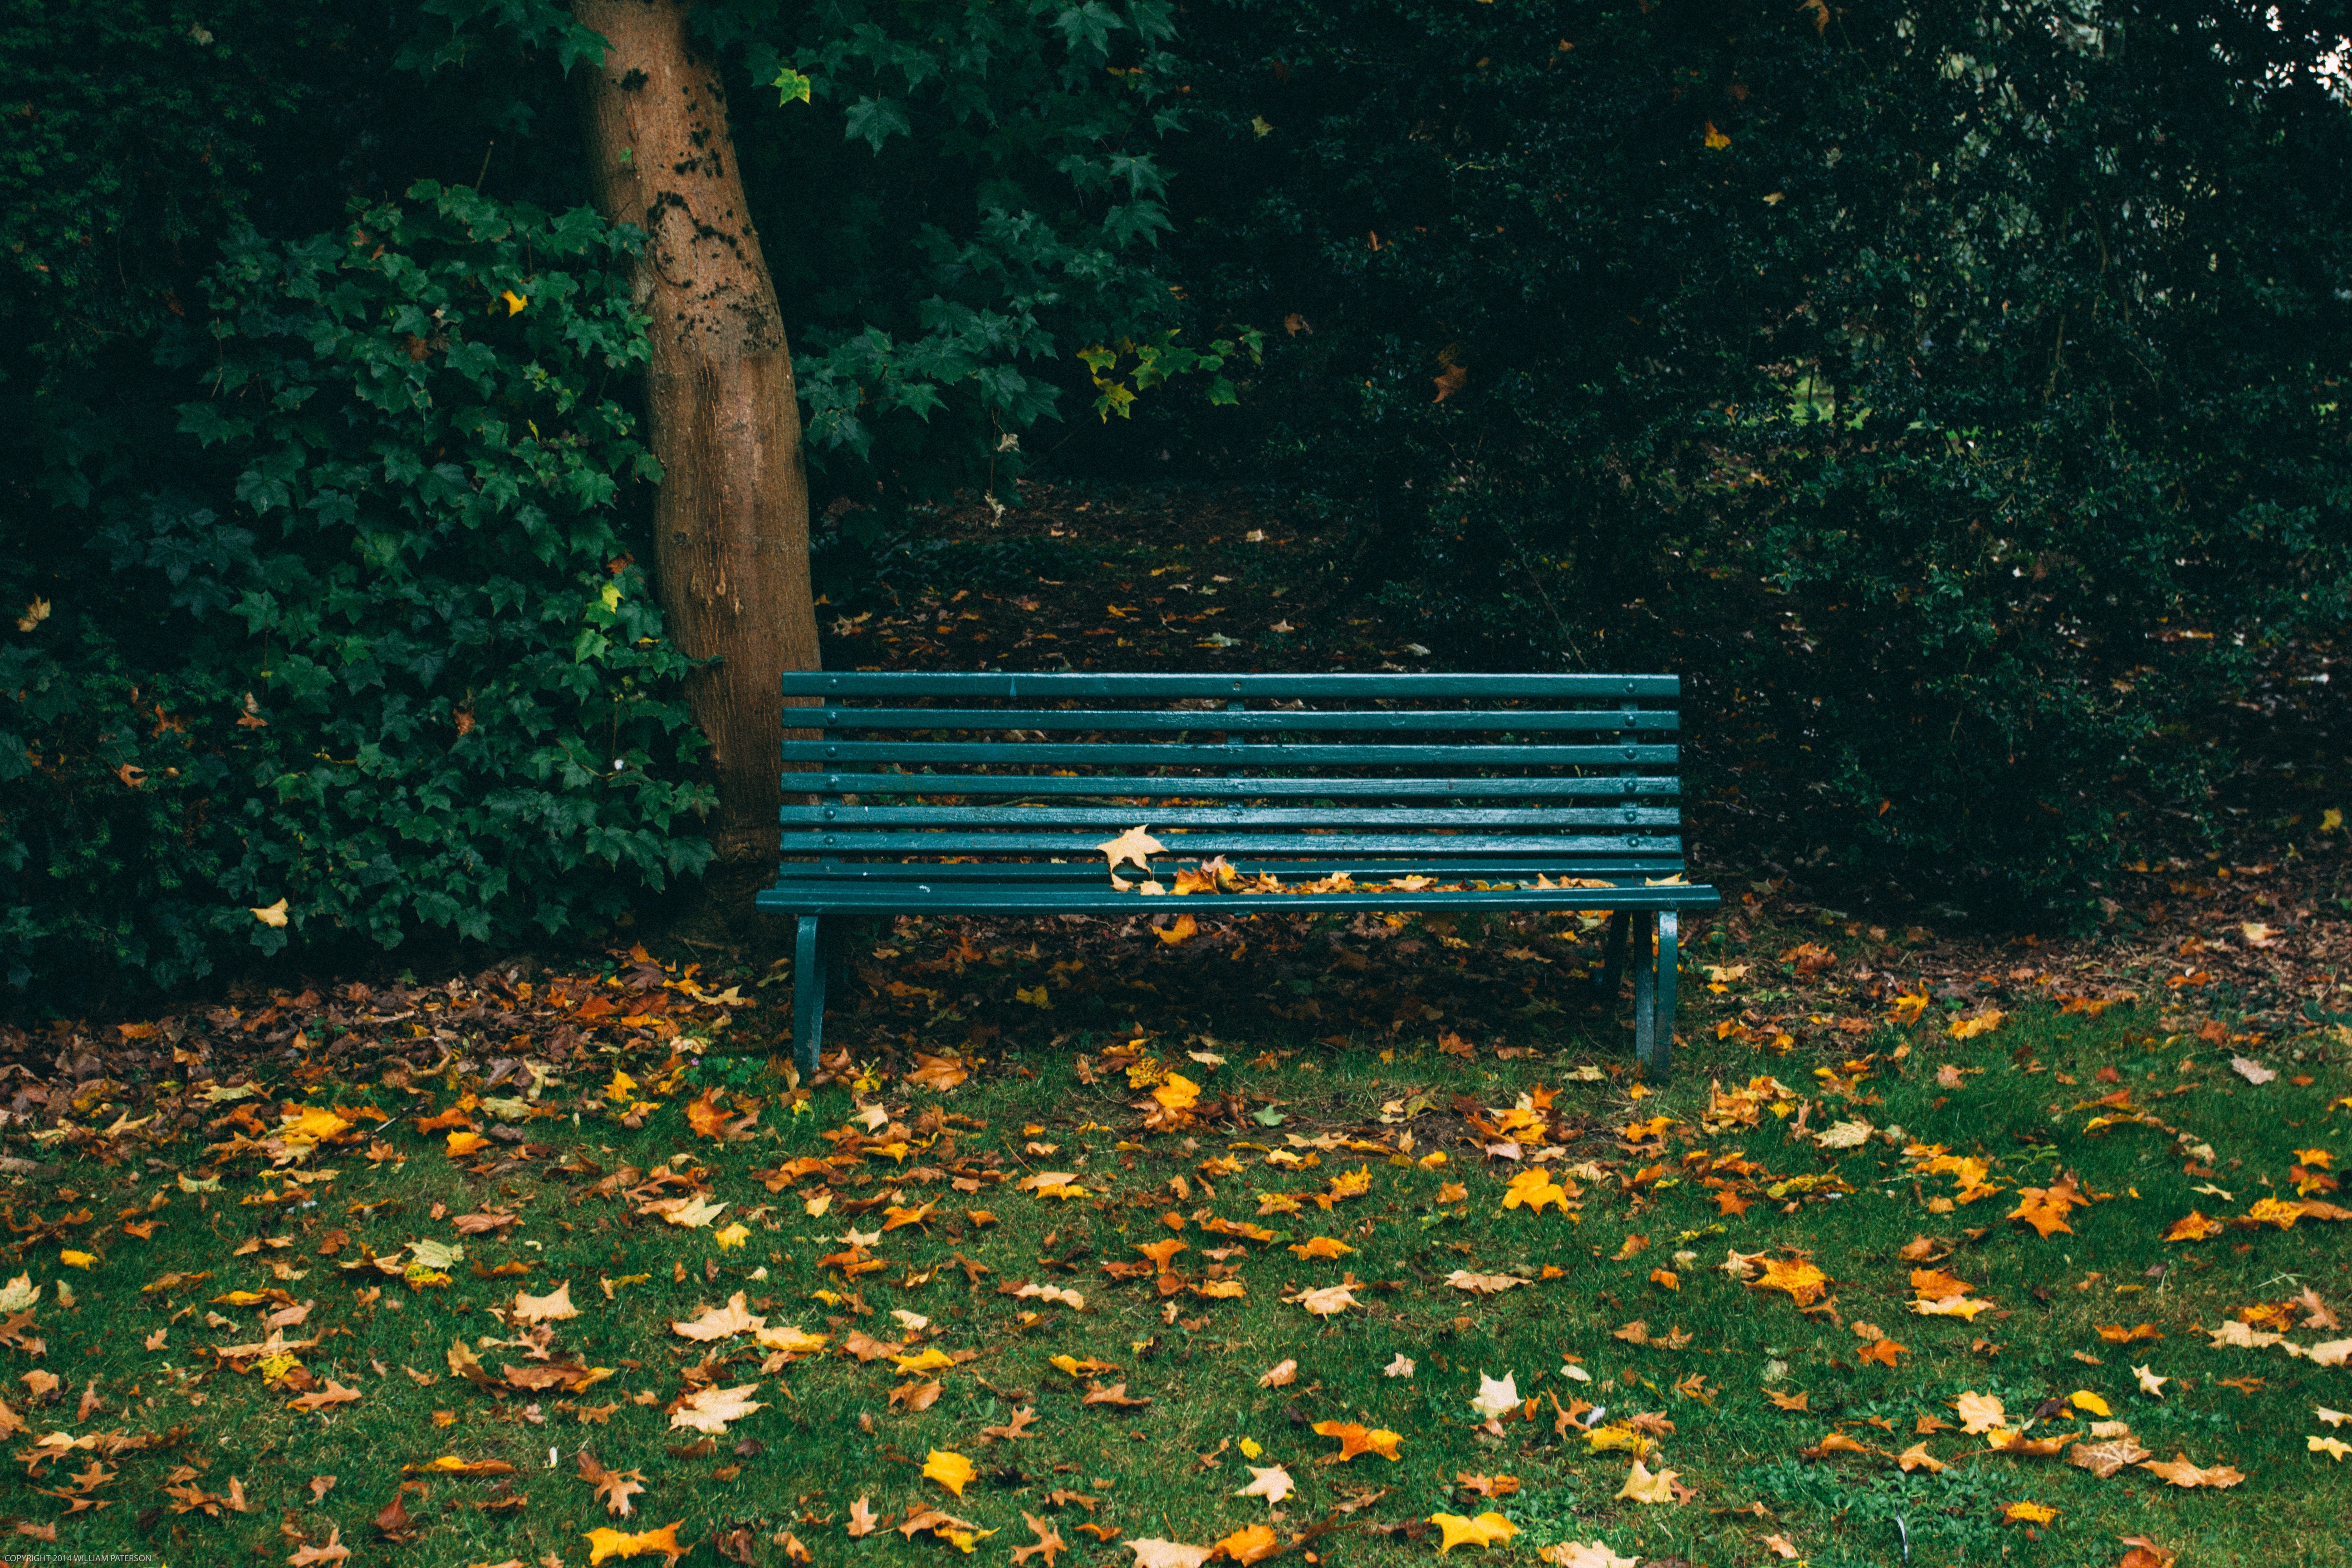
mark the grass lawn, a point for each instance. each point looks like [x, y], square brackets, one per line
[1652, 1300]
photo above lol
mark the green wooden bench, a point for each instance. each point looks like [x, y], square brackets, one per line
[990, 794]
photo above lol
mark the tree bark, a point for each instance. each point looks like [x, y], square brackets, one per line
[730, 522]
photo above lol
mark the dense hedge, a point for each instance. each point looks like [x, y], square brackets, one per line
[370, 652]
[1955, 391]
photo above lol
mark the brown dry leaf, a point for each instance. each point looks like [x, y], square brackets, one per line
[318, 1399]
[1917, 1458]
[1326, 1303]
[1802, 1401]
[616, 1487]
[2104, 1459]
[1018, 1427]
[333, 1552]
[553, 1308]
[2181, 1473]
[1278, 1375]
[1116, 1394]
[718, 1322]
[1049, 1541]
[320, 1487]
[1980, 1412]
[862, 1520]
[1164, 1553]
[709, 1409]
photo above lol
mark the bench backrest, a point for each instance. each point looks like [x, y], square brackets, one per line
[1478, 774]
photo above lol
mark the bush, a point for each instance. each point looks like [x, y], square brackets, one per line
[1953, 394]
[377, 658]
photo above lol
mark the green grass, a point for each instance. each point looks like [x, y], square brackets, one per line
[831, 1435]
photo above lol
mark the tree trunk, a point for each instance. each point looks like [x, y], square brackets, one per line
[730, 522]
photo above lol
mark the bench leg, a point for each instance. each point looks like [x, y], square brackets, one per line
[835, 944]
[1655, 1045]
[1613, 961]
[1645, 993]
[808, 996]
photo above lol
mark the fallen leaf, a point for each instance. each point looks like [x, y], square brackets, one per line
[1278, 1375]
[1049, 1541]
[607, 1543]
[555, 1306]
[1485, 1530]
[709, 1409]
[1272, 1483]
[1355, 1439]
[950, 1468]
[1640, 1486]
[2181, 1473]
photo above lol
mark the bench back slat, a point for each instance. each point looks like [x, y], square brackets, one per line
[1188, 785]
[1246, 688]
[1510, 776]
[1247, 755]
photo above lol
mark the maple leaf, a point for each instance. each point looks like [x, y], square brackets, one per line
[1797, 1277]
[1585, 1554]
[2149, 1384]
[2044, 1209]
[1496, 1396]
[608, 1542]
[2195, 1227]
[1485, 1284]
[1952, 1307]
[334, 1551]
[1155, 1553]
[554, 1307]
[616, 1487]
[2117, 1334]
[1276, 1376]
[2084, 1399]
[1790, 1401]
[2334, 1447]
[950, 1468]
[1486, 1485]
[1883, 1352]
[1355, 1439]
[1272, 1483]
[1135, 844]
[1320, 1247]
[1019, 1427]
[718, 1322]
[333, 1394]
[2104, 1459]
[1640, 1486]
[2027, 1513]
[1049, 1541]
[1078, 1368]
[861, 1522]
[704, 1117]
[1980, 1412]
[1917, 1458]
[1251, 1543]
[1485, 1530]
[1326, 1303]
[937, 1074]
[2181, 1473]
[1534, 1189]
[1401, 1367]
[709, 1409]
[1115, 1394]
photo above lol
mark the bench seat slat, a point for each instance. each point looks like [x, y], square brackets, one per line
[1284, 720]
[1191, 845]
[1249, 754]
[802, 898]
[1633, 868]
[1116, 816]
[1040, 688]
[1131, 784]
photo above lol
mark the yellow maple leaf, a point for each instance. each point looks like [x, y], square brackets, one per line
[733, 1235]
[1320, 1247]
[1640, 1486]
[78, 1259]
[1485, 1530]
[1715, 139]
[271, 914]
[950, 1468]
[1135, 844]
[1355, 1439]
[2027, 1513]
[1803, 1281]
[606, 1542]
